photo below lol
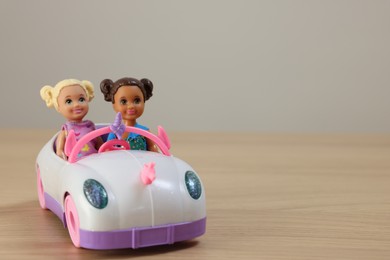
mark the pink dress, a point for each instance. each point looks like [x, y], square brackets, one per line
[81, 129]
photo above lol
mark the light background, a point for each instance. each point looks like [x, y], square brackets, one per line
[217, 65]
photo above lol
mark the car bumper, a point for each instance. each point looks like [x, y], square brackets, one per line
[133, 237]
[142, 237]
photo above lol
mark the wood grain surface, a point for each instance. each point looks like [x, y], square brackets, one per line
[269, 196]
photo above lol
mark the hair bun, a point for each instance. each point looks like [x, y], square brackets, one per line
[105, 87]
[148, 86]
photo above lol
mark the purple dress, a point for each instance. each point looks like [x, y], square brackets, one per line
[81, 129]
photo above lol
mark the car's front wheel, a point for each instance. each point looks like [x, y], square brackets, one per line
[72, 220]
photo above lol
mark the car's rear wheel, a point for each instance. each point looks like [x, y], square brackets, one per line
[72, 220]
[41, 191]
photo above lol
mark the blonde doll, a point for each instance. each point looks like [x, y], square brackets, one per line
[70, 97]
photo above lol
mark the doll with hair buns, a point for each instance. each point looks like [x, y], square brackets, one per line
[70, 97]
[128, 96]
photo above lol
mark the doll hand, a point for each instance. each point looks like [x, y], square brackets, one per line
[118, 128]
[62, 155]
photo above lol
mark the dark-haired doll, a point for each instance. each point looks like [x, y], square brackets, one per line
[128, 96]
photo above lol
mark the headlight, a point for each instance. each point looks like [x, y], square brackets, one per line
[194, 187]
[95, 193]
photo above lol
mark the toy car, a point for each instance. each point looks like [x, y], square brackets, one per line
[121, 198]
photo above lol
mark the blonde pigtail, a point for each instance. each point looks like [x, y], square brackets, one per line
[47, 95]
[89, 89]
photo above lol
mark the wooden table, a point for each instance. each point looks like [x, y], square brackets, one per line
[269, 196]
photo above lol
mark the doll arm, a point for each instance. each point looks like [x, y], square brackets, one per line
[60, 145]
[99, 142]
[151, 145]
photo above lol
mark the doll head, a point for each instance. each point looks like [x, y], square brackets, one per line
[128, 96]
[109, 88]
[69, 97]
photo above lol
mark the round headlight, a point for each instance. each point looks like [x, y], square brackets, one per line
[95, 193]
[194, 187]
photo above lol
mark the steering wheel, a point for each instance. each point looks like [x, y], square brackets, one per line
[161, 141]
[114, 145]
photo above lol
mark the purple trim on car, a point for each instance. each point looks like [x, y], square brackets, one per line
[55, 207]
[142, 237]
[133, 237]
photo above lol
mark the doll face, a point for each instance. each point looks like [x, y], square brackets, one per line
[129, 101]
[73, 103]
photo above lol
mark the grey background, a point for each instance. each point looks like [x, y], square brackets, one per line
[217, 65]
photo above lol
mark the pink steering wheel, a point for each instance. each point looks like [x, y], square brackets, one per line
[161, 141]
[114, 145]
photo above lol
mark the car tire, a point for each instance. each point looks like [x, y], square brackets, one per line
[72, 220]
[41, 191]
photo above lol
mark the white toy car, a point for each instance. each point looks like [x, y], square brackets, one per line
[120, 198]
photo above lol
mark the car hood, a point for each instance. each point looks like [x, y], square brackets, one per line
[130, 201]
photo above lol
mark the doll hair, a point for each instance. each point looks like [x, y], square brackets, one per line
[109, 88]
[50, 94]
